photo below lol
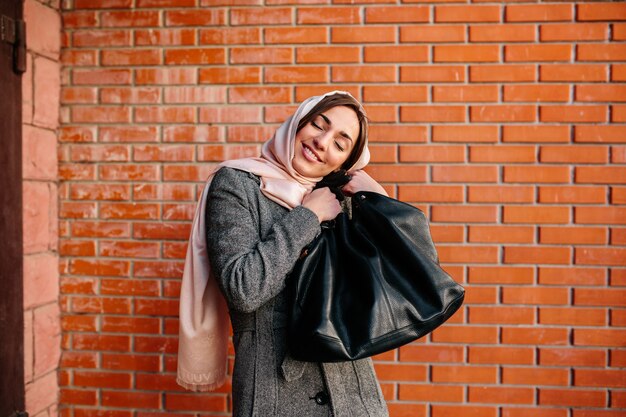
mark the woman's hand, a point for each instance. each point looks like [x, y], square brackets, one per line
[361, 181]
[323, 203]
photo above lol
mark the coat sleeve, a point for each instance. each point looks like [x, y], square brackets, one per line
[251, 269]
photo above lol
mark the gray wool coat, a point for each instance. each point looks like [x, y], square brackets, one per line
[253, 244]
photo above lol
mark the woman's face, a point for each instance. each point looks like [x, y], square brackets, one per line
[325, 143]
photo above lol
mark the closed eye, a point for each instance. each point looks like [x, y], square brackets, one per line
[339, 146]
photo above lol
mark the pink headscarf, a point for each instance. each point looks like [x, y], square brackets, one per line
[204, 320]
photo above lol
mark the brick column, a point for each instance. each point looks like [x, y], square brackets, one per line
[40, 89]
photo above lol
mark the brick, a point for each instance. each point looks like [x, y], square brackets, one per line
[580, 114]
[130, 362]
[463, 410]
[235, 114]
[573, 32]
[460, 254]
[77, 248]
[600, 378]
[535, 336]
[167, 37]
[571, 397]
[129, 95]
[160, 114]
[533, 376]
[466, 213]
[501, 395]
[230, 36]
[501, 73]
[103, 38]
[464, 374]
[78, 397]
[535, 295]
[618, 113]
[464, 134]
[502, 33]
[397, 372]
[619, 32]
[573, 316]
[609, 53]
[464, 174]
[259, 95]
[471, 93]
[430, 193]
[328, 16]
[296, 75]
[573, 72]
[371, 34]
[193, 402]
[203, 56]
[536, 174]
[402, 173]
[363, 73]
[618, 72]
[401, 53]
[397, 133]
[481, 294]
[517, 411]
[120, 380]
[101, 342]
[514, 154]
[161, 76]
[130, 399]
[391, 94]
[600, 215]
[103, 4]
[433, 34]
[500, 194]
[196, 17]
[428, 393]
[134, 18]
[197, 95]
[79, 19]
[47, 93]
[431, 353]
[288, 35]
[572, 194]
[432, 73]
[397, 14]
[601, 11]
[100, 229]
[570, 356]
[100, 153]
[466, 53]
[543, 255]
[574, 154]
[99, 192]
[501, 234]
[600, 93]
[432, 113]
[536, 214]
[600, 297]
[42, 20]
[537, 133]
[498, 315]
[100, 114]
[260, 16]
[78, 58]
[78, 95]
[536, 93]
[474, 13]
[327, 54]
[573, 235]
[600, 133]
[126, 134]
[42, 393]
[236, 75]
[539, 13]
[39, 158]
[500, 113]
[426, 153]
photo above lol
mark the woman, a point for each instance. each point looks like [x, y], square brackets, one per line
[253, 220]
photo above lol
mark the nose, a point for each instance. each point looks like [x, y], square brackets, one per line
[321, 141]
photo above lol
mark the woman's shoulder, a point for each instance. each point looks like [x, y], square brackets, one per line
[233, 177]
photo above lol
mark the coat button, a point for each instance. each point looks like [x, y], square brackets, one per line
[321, 398]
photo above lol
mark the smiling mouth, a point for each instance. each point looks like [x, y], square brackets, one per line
[310, 154]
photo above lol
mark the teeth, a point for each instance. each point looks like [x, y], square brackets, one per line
[309, 152]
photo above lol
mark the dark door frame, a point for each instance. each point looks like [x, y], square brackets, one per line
[12, 390]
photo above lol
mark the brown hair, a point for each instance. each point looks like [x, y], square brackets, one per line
[345, 100]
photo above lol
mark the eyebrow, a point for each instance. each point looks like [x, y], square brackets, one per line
[329, 122]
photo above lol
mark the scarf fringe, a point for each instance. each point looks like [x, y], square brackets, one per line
[201, 387]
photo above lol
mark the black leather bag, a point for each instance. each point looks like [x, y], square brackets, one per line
[368, 284]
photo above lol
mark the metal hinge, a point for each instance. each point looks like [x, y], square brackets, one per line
[14, 32]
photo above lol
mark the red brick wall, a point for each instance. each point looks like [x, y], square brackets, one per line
[40, 116]
[505, 122]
